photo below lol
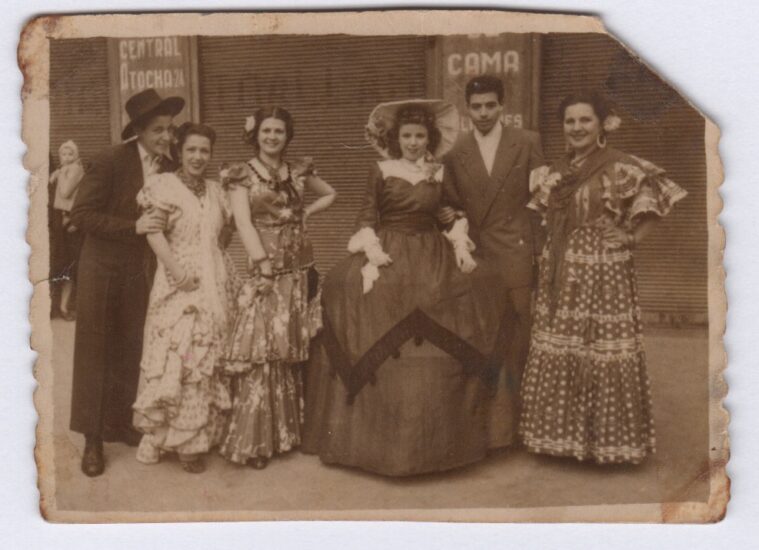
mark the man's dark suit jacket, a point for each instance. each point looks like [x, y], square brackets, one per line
[106, 208]
[495, 204]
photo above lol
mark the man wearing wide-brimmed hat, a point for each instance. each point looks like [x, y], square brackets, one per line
[115, 272]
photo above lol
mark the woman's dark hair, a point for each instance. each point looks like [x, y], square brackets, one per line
[193, 129]
[261, 114]
[412, 114]
[484, 84]
[601, 106]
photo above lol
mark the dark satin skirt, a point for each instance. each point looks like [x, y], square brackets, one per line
[422, 410]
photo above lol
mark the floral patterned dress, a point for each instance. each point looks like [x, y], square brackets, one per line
[586, 391]
[272, 331]
[184, 397]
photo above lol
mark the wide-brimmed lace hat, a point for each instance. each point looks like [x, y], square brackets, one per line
[382, 119]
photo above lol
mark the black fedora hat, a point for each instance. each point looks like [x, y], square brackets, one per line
[143, 105]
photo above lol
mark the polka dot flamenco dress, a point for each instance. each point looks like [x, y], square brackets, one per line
[586, 392]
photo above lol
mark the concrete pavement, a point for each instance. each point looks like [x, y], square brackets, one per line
[513, 478]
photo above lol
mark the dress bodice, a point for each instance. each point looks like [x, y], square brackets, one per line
[272, 202]
[399, 199]
[192, 232]
[276, 210]
[407, 207]
[193, 223]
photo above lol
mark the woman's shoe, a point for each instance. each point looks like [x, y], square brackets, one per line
[259, 462]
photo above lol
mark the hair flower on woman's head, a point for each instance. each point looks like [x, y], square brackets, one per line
[250, 123]
[612, 122]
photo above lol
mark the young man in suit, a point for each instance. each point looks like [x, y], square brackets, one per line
[487, 177]
[115, 273]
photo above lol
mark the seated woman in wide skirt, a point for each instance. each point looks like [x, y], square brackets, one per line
[397, 381]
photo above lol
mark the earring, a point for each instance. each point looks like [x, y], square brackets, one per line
[601, 141]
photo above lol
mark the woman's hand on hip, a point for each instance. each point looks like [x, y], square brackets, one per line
[615, 237]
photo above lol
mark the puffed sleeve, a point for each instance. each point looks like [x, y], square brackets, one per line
[157, 193]
[536, 217]
[303, 167]
[637, 187]
[235, 175]
[160, 193]
[540, 189]
[368, 214]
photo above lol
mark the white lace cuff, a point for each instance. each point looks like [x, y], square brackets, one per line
[365, 240]
[463, 246]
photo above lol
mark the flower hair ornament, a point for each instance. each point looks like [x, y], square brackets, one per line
[612, 123]
[250, 125]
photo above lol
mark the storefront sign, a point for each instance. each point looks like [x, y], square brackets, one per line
[510, 57]
[165, 63]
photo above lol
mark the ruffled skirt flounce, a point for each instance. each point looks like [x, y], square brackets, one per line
[270, 340]
[183, 404]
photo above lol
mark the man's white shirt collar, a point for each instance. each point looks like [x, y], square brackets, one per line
[488, 144]
[149, 162]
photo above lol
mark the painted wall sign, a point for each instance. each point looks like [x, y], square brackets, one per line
[511, 57]
[166, 63]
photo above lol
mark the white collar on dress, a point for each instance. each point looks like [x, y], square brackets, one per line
[411, 172]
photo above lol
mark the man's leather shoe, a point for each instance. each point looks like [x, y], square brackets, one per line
[93, 463]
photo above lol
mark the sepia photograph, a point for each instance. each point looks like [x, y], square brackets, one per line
[349, 266]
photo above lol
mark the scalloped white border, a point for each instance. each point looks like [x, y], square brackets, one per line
[36, 113]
